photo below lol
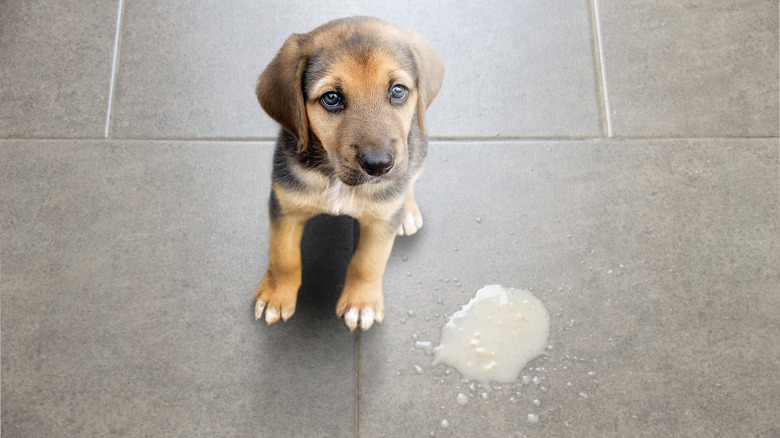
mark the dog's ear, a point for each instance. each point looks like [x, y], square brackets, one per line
[280, 89]
[430, 73]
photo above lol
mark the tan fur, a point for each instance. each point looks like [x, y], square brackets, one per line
[279, 288]
[366, 83]
[358, 59]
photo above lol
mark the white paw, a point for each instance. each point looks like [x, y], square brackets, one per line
[410, 223]
[365, 317]
[272, 314]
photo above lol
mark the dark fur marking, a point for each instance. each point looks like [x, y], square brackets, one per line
[274, 208]
[287, 155]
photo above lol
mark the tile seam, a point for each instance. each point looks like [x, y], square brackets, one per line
[114, 65]
[432, 140]
[598, 47]
[357, 384]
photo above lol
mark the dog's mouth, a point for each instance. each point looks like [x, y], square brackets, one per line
[356, 177]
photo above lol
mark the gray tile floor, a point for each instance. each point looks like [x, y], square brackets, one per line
[623, 158]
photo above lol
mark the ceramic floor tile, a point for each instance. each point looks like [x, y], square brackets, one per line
[188, 69]
[129, 266]
[691, 69]
[128, 276]
[657, 260]
[56, 67]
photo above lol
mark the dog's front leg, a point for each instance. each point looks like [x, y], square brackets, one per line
[278, 292]
[362, 301]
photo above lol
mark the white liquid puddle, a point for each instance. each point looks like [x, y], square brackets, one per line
[495, 335]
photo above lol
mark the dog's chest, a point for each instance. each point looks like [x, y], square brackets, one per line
[340, 199]
[328, 194]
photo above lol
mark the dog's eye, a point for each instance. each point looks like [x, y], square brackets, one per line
[398, 93]
[332, 101]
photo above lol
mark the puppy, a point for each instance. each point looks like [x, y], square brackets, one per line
[350, 97]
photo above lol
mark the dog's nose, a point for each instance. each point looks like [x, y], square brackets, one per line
[376, 163]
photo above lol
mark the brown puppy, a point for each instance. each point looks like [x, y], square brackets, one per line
[351, 98]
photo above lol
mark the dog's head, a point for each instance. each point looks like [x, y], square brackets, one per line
[356, 86]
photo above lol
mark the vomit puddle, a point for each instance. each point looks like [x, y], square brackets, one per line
[495, 335]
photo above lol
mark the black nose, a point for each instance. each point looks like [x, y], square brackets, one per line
[376, 163]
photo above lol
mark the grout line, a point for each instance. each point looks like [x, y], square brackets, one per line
[507, 139]
[114, 64]
[587, 138]
[432, 139]
[600, 72]
[357, 383]
[355, 241]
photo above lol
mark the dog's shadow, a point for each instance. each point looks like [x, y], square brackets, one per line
[327, 247]
[313, 349]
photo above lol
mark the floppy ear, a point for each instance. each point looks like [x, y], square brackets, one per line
[280, 93]
[430, 72]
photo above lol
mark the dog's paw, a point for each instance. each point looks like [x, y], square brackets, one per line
[411, 221]
[365, 317]
[273, 311]
[361, 314]
[275, 303]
